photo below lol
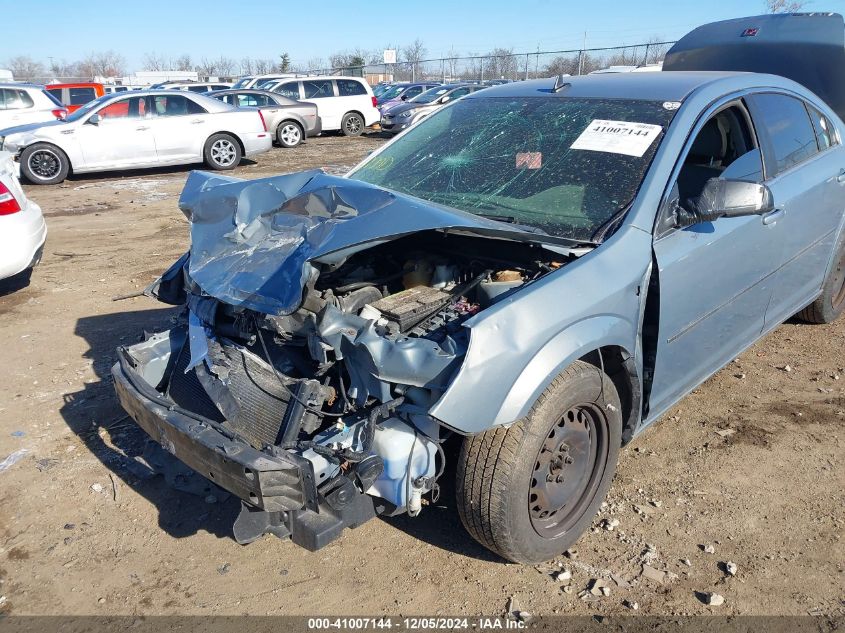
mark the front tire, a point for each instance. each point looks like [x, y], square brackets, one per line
[831, 303]
[352, 124]
[222, 152]
[289, 134]
[528, 492]
[44, 164]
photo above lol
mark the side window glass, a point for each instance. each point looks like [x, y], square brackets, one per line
[194, 107]
[318, 89]
[825, 136]
[723, 148]
[247, 101]
[289, 90]
[460, 92]
[17, 100]
[81, 96]
[350, 88]
[413, 92]
[56, 92]
[3, 99]
[789, 128]
[132, 108]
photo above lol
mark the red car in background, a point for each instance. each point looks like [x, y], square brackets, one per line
[74, 96]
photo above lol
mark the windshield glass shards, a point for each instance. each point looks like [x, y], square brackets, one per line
[567, 166]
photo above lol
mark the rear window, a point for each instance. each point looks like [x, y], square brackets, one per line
[318, 89]
[56, 101]
[790, 130]
[81, 96]
[350, 88]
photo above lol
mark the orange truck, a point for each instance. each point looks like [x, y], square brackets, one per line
[74, 96]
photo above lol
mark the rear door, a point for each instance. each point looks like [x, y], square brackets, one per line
[321, 92]
[122, 138]
[715, 278]
[807, 168]
[180, 128]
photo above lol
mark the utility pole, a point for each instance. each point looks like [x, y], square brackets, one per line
[581, 56]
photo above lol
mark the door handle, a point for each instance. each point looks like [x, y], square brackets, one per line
[196, 121]
[142, 128]
[841, 177]
[773, 216]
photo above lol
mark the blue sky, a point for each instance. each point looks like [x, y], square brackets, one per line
[265, 28]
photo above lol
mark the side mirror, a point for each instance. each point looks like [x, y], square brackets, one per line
[94, 119]
[404, 97]
[726, 199]
[445, 99]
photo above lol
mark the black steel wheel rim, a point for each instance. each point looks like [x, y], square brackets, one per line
[44, 164]
[568, 470]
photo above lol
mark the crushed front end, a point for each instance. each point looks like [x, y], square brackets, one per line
[321, 320]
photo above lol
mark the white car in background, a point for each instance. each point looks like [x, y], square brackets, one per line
[259, 81]
[148, 128]
[22, 228]
[343, 103]
[27, 103]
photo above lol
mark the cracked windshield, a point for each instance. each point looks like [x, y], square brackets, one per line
[570, 167]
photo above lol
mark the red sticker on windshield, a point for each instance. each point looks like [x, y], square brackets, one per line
[529, 160]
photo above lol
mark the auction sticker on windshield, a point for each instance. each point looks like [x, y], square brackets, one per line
[617, 137]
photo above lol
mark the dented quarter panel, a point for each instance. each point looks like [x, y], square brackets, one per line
[520, 345]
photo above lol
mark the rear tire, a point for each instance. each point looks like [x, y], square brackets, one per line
[831, 303]
[352, 124]
[528, 492]
[44, 164]
[289, 134]
[222, 152]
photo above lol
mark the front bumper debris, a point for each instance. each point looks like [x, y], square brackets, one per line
[278, 492]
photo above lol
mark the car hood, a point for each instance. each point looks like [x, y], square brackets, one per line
[30, 127]
[252, 241]
[405, 106]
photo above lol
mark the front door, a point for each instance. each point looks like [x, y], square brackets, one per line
[121, 139]
[715, 278]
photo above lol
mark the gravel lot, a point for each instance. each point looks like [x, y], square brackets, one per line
[750, 466]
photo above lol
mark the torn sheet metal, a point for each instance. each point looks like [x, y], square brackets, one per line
[252, 240]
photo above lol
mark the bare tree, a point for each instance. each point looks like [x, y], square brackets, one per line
[153, 61]
[561, 65]
[102, 64]
[784, 6]
[500, 64]
[206, 67]
[316, 63]
[413, 54]
[25, 68]
[263, 66]
[59, 69]
[183, 63]
[225, 66]
[246, 66]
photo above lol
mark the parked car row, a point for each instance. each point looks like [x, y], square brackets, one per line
[404, 114]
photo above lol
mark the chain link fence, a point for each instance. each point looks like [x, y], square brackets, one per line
[507, 66]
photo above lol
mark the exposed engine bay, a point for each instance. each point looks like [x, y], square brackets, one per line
[342, 385]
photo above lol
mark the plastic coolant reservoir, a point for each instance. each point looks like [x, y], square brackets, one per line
[393, 441]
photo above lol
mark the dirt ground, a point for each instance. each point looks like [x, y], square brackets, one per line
[750, 464]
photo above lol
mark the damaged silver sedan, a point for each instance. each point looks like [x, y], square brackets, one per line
[538, 271]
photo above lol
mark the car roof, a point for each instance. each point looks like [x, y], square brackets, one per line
[656, 86]
[20, 84]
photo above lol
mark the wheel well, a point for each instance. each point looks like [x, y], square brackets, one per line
[233, 135]
[619, 366]
[355, 112]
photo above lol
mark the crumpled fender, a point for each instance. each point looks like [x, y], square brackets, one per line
[517, 348]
